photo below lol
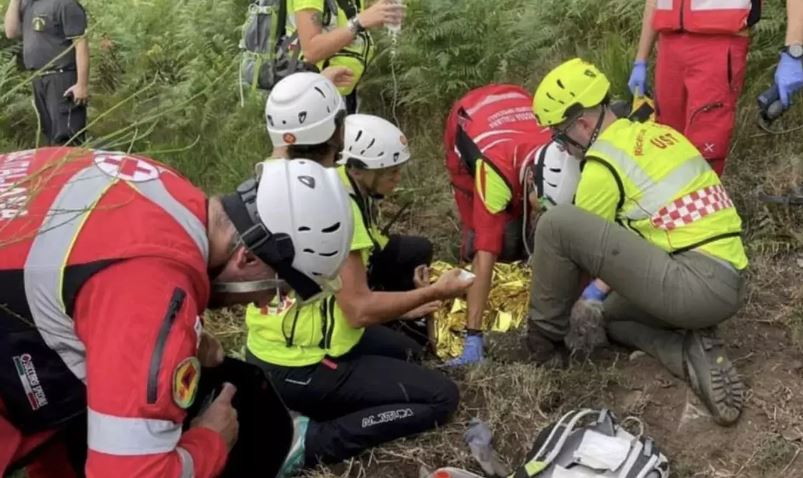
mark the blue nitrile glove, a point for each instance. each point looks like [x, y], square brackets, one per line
[638, 78]
[788, 77]
[472, 352]
[592, 292]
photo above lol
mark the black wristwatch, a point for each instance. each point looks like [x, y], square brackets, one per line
[795, 50]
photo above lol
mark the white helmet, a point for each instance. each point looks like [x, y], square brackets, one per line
[297, 219]
[556, 174]
[371, 142]
[302, 109]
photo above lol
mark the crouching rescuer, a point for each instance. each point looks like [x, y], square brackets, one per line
[107, 262]
[498, 157]
[335, 361]
[656, 228]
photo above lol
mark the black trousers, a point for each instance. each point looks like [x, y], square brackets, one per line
[351, 102]
[368, 397]
[60, 117]
[392, 270]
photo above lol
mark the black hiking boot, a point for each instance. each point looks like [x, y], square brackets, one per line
[713, 376]
[544, 351]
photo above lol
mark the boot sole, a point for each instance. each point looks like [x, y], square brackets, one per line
[722, 390]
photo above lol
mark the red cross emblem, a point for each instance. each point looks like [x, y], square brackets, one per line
[127, 168]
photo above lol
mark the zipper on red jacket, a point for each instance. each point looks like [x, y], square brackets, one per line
[173, 307]
[682, 7]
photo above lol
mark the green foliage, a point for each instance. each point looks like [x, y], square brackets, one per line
[164, 82]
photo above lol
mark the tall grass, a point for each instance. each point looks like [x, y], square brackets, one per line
[164, 83]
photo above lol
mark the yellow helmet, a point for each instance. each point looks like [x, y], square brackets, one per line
[564, 91]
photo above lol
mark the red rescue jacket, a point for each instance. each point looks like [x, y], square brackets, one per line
[491, 131]
[103, 270]
[705, 16]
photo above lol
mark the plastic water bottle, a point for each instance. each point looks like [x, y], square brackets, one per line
[394, 30]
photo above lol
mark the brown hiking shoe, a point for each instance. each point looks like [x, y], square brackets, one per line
[713, 376]
[543, 351]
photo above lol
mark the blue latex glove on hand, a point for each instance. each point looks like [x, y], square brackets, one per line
[592, 292]
[638, 78]
[472, 352]
[788, 77]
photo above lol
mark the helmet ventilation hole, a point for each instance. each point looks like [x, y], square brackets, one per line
[334, 227]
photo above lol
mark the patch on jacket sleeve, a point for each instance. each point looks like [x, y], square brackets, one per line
[185, 381]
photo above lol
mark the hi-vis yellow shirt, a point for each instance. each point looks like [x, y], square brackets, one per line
[650, 179]
[356, 56]
[295, 336]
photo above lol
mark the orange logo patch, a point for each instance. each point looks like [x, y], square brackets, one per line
[289, 138]
[185, 381]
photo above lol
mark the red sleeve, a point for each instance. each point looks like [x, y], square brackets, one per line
[489, 228]
[139, 322]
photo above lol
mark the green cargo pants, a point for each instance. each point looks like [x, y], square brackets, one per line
[654, 292]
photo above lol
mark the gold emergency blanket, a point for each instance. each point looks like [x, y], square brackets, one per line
[506, 310]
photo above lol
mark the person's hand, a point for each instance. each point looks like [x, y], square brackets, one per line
[221, 416]
[210, 351]
[593, 292]
[586, 327]
[339, 75]
[452, 284]
[472, 352]
[422, 310]
[421, 276]
[788, 77]
[79, 93]
[382, 12]
[638, 78]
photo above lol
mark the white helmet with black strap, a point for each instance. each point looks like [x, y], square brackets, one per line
[304, 109]
[296, 217]
[555, 174]
[371, 142]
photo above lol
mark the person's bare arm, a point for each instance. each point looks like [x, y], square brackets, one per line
[363, 307]
[80, 90]
[318, 45]
[478, 293]
[794, 21]
[647, 33]
[12, 20]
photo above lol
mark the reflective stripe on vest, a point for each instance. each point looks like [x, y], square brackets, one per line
[701, 16]
[187, 463]
[655, 194]
[50, 251]
[125, 436]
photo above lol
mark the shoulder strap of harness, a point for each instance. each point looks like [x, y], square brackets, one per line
[468, 149]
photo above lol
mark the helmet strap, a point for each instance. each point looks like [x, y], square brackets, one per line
[275, 250]
[597, 128]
